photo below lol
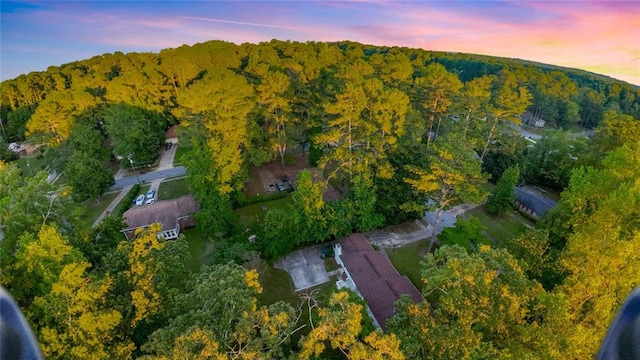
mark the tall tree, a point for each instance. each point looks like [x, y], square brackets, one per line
[273, 96]
[340, 325]
[453, 175]
[508, 101]
[602, 255]
[310, 214]
[435, 90]
[136, 133]
[483, 300]
[87, 176]
[502, 198]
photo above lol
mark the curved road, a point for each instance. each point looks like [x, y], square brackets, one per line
[148, 177]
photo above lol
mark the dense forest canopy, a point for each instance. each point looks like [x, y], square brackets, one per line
[397, 130]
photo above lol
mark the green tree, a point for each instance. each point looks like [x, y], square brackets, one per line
[87, 176]
[549, 161]
[472, 103]
[483, 300]
[503, 196]
[435, 90]
[136, 133]
[601, 252]
[466, 233]
[222, 302]
[16, 125]
[27, 203]
[453, 175]
[340, 325]
[309, 210]
[507, 102]
[73, 321]
[362, 197]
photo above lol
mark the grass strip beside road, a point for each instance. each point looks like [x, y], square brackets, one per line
[93, 209]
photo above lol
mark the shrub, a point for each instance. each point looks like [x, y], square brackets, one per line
[126, 202]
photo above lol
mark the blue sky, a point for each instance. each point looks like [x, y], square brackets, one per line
[599, 36]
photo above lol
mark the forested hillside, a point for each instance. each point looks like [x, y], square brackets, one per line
[398, 130]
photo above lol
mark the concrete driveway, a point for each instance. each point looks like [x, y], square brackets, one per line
[306, 267]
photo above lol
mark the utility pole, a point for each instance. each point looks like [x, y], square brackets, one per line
[134, 169]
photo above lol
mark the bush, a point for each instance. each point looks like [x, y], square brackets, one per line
[289, 160]
[126, 202]
[242, 200]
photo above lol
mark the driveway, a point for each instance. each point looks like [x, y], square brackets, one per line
[305, 266]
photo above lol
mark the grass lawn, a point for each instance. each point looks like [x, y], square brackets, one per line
[35, 165]
[501, 227]
[278, 286]
[406, 260]
[199, 247]
[247, 213]
[183, 147]
[171, 189]
[93, 209]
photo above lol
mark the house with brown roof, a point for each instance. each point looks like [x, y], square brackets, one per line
[373, 275]
[173, 215]
[171, 135]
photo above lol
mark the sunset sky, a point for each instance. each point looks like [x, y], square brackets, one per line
[599, 36]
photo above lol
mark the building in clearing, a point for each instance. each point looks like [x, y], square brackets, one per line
[373, 275]
[173, 215]
[532, 203]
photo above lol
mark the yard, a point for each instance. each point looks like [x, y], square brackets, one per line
[199, 247]
[407, 259]
[183, 147]
[503, 226]
[171, 189]
[92, 209]
[248, 213]
[32, 165]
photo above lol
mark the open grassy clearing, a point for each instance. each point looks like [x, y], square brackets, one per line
[92, 209]
[199, 247]
[35, 164]
[248, 213]
[171, 189]
[407, 259]
[503, 226]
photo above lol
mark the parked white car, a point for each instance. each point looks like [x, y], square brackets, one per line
[140, 199]
[150, 201]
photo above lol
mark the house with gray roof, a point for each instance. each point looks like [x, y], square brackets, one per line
[173, 216]
[532, 202]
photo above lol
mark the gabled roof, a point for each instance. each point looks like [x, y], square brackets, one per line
[171, 132]
[165, 212]
[375, 277]
[538, 203]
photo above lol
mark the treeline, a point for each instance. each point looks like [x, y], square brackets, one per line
[397, 129]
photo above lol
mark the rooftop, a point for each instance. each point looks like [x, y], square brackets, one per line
[533, 200]
[375, 277]
[165, 212]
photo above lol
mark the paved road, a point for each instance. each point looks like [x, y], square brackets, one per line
[150, 176]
